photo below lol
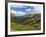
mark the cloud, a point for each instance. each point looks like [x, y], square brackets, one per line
[20, 13]
[12, 11]
[37, 9]
[23, 11]
[27, 9]
[18, 6]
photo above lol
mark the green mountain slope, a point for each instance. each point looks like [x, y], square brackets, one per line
[29, 23]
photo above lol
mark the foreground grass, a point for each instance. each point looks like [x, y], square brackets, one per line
[18, 27]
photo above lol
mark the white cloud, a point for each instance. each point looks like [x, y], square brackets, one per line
[37, 9]
[28, 9]
[12, 11]
[20, 13]
[14, 6]
[19, 6]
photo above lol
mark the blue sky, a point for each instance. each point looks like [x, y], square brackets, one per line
[21, 10]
